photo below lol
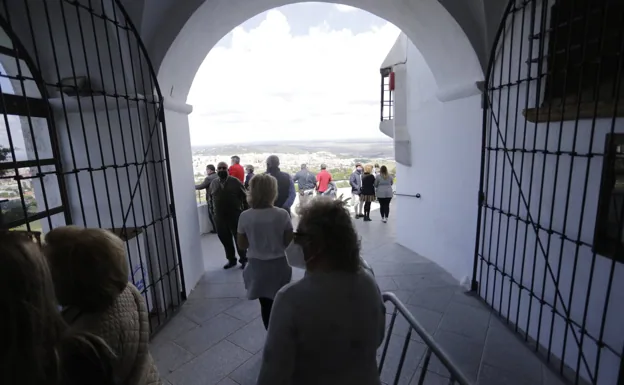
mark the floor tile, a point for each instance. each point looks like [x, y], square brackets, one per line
[176, 326]
[246, 310]
[499, 354]
[201, 338]
[463, 352]
[490, 375]
[247, 373]
[466, 320]
[201, 310]
[431, 378]
[227, 381]
[250, 337]
[168, 357]
[219, 290]
[212, 366]
[432, 298]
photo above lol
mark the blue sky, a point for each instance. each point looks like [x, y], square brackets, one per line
[307, 71]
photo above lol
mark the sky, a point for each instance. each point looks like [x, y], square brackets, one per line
[307, 71]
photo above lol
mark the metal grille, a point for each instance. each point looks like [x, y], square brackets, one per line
[387, 100]
[549, 234]
[83, 139]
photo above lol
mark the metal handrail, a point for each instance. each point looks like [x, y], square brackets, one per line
[432, 347]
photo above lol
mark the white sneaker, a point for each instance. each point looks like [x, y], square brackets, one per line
[384, 220]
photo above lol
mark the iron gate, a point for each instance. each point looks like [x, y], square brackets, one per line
[548, 253]
[84, 139]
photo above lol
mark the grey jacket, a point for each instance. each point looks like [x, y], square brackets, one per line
[383, 187]
[305, 179]
[355, 180]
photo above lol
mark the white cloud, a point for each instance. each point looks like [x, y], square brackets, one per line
[270, 85]
[345, 8]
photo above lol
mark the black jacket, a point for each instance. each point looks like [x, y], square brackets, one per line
[283, 186]
[368, 184]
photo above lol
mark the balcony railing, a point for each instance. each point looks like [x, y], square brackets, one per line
[456, 376]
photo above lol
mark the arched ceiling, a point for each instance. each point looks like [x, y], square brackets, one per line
[451, 35]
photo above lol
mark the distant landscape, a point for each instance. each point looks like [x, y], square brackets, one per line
[362, 148]
[339, 156]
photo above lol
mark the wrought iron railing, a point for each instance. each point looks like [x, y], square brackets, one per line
[456, 376]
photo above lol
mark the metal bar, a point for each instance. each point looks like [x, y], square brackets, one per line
[427, 339]
[397, 375]
[387, 339]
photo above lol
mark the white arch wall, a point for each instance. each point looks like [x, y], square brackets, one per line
[436, 205]
[427, 23]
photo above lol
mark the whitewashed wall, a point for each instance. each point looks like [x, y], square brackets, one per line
[580, 277]
[445, 149]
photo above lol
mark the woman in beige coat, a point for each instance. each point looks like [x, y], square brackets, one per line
[90, 273]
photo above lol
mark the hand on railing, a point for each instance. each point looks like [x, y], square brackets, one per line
[457, 377]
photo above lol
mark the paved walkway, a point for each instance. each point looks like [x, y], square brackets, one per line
[218, 336]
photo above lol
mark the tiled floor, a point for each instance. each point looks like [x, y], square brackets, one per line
[217, 337]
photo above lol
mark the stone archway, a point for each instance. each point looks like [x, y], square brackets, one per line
[428, 24]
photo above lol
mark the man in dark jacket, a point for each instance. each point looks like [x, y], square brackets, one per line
[306, 181]
[285, 185]
[229, 200]
[211, 174]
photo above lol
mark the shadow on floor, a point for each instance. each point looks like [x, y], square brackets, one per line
[217, 337]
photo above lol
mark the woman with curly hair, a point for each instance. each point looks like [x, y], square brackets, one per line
[36, 346]
[325, 328]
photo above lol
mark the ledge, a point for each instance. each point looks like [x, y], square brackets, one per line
[572, 111]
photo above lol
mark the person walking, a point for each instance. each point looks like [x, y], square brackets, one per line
[355, 180]
[383, 191]
[322, 180]
[265, 231]
[230, 199]
[236, 170]
[306, 181]
[326, 327]
[367, 195]
[211, 174]
[249, 169]
[286, 193]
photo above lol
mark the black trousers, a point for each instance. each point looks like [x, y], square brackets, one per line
[367, 206]
[384, 206]
[211, 218]
[265, 310]
[227, 226]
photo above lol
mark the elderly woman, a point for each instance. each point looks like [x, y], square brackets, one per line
[265, 231]
[35, 345]
[325, 328]
[90, 273]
